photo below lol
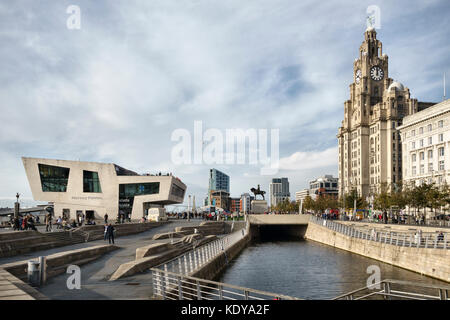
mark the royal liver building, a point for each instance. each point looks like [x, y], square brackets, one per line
[369, 143]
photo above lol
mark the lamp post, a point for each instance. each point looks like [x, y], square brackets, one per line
[189, 209]
[17, 206]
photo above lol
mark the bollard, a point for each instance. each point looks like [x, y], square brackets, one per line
[33, 273]
[43, 270]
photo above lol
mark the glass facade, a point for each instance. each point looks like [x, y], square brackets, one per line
[177, 191]
[127, 192]
[53, 178]
[91, 182]
[138, 189]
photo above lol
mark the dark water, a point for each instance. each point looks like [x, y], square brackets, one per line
[307, 269]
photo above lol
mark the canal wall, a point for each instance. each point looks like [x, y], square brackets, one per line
[427, 261]
[214, 267]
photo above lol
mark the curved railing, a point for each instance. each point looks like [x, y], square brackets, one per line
[404, 239]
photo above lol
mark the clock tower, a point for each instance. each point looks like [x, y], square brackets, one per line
[369, 144]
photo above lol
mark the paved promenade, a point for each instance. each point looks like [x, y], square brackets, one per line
[94, 275]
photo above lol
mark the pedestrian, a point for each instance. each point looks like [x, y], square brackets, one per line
[110, 233]
[48, 222]
[440, 237]
[106, 218]
[24, 224]
[385, 217]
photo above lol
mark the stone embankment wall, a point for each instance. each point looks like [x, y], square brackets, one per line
[214, 267]
[427, 261]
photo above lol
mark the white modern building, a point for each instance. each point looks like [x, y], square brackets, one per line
[94, 189]
[246, 200]
[300, 197]
[425, 138]
[324, 186]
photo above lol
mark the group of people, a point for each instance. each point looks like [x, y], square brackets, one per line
[27, 222]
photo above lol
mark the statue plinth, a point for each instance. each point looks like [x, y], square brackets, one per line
[258, 206]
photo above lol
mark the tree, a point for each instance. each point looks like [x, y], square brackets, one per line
[308, 203]
[350, 200]
[382, 200]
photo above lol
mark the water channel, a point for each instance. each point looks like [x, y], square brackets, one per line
[307, 269]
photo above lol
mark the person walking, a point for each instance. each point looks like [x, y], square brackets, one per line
[110, 233]
[48, 222]
[385, 217]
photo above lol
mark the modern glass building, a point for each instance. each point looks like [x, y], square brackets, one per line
[94, 189]
[218, 181]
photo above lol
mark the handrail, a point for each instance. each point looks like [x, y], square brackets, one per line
[387, 291]
[163, 286]
[399, 238]
[193, 260]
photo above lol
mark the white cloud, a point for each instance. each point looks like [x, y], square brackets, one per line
[302, 160]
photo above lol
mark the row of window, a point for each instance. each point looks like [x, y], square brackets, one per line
[441, 167]
[441, 153]
[430, 141]
[55, 179]
[429, 128]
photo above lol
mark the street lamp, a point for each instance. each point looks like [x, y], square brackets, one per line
[17, 206]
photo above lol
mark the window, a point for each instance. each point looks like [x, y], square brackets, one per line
[53, 179]
[422, 169]
[413, 133]
[413, 157]
[414, 170]
[430, 141]
[430, 167]
[441, 123]
[421, 142]
[177, 191]
[430, 127]
[421, 130]
[441, 165]
[441, 152]
[441, 137]
[413, 145]
[91, 182]
[422, 155]
[430, 154]
[138, 189]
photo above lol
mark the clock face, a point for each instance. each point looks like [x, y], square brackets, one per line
[358, 76]
[376, 73]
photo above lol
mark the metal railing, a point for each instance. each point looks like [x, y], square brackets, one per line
[400, 290]
[191, 261]
[174, 286]
[405, 239]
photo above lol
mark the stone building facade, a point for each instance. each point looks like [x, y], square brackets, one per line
[426, 141]
[370, 151]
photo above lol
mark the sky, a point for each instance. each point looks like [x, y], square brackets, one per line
[117, 88]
